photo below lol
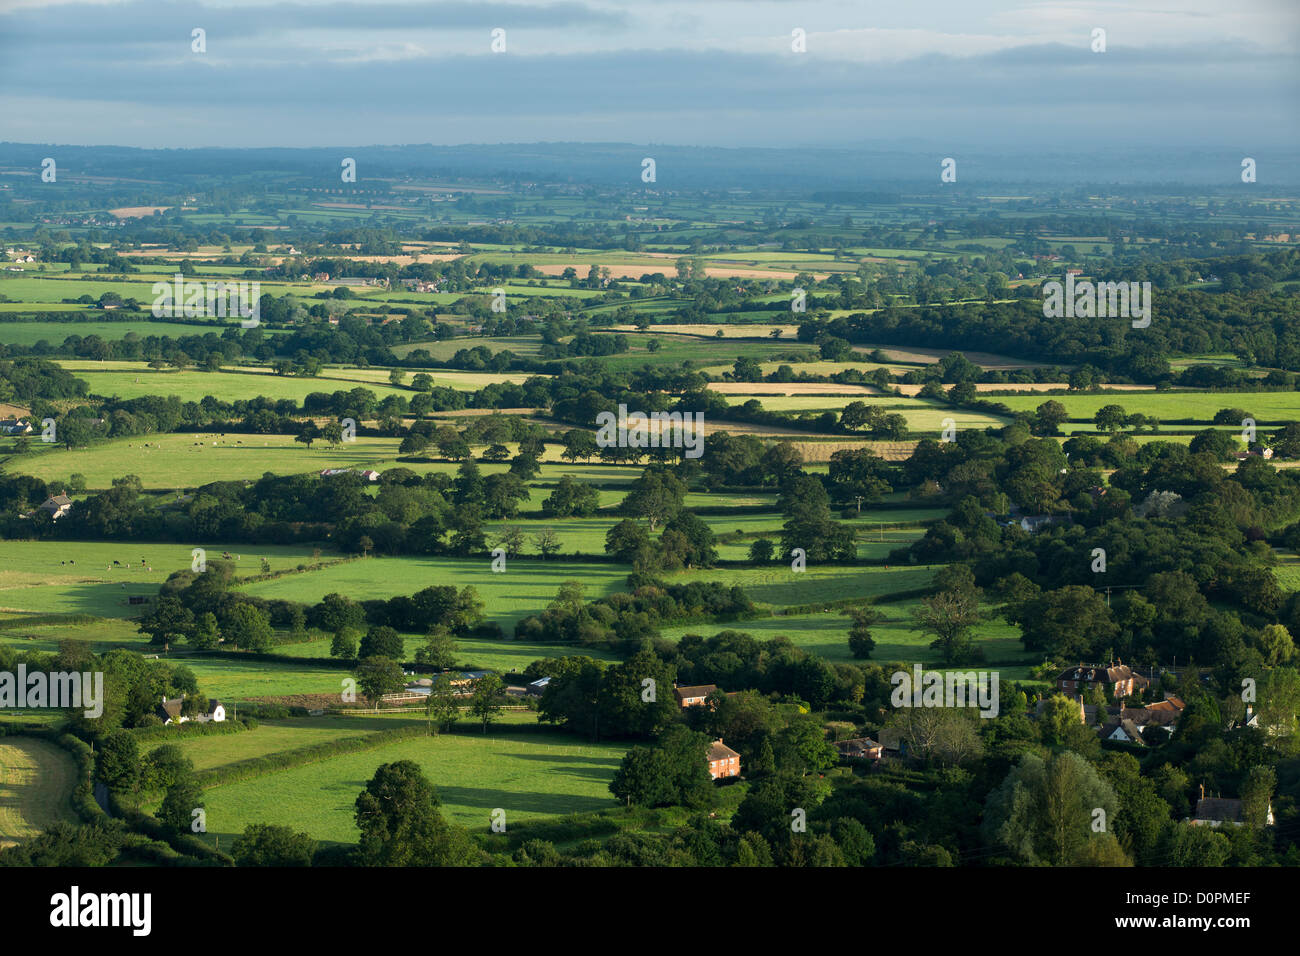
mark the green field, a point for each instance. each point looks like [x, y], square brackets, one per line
[227, 386]
[271, 736]
[525, 587]
[235, 383]
[471, 653]
[79, 577]
[29, 333]
[921, 414]
[826, 635]
[781, 587]
[1169, 406]
[187, 460]
[530, 775]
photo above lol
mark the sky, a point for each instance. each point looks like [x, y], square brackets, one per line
[948, 74]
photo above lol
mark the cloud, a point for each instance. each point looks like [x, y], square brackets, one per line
[350, 72]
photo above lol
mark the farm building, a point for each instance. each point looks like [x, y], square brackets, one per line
[859, 748]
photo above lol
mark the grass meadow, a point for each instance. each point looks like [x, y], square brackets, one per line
[528, 774]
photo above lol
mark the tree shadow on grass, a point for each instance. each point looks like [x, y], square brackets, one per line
[519, 801]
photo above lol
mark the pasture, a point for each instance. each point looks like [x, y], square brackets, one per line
[176, 461]
[529, 774]
[525, 587]
[79, 577]
[1170, 406]
[232, 380]
[228, 385]
[826, 634]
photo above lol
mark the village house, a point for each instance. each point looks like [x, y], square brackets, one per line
[15, 426]
[1119, 679]
[1122, 730]
[694, 696]
[215, 713]
[170, 711]
[723, 761]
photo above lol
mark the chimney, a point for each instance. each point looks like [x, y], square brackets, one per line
[1202, 791]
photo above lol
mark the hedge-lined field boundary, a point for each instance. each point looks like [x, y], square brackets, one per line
[288, 759]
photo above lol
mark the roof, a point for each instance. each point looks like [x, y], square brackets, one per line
[1162, 713]
[1218, 808]
[59, 500]
[855, 746]
[1097, 675]
[171, 708]
[1131, 730]
[213, 704]
[1172, 704]
[720, 751]
[695, 690]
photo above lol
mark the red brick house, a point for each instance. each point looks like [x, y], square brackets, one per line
[723, 761]
[694, 696]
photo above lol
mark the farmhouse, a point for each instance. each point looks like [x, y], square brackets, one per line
[723, 761]
[56, 505]
[694, 696]
[15, 426]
